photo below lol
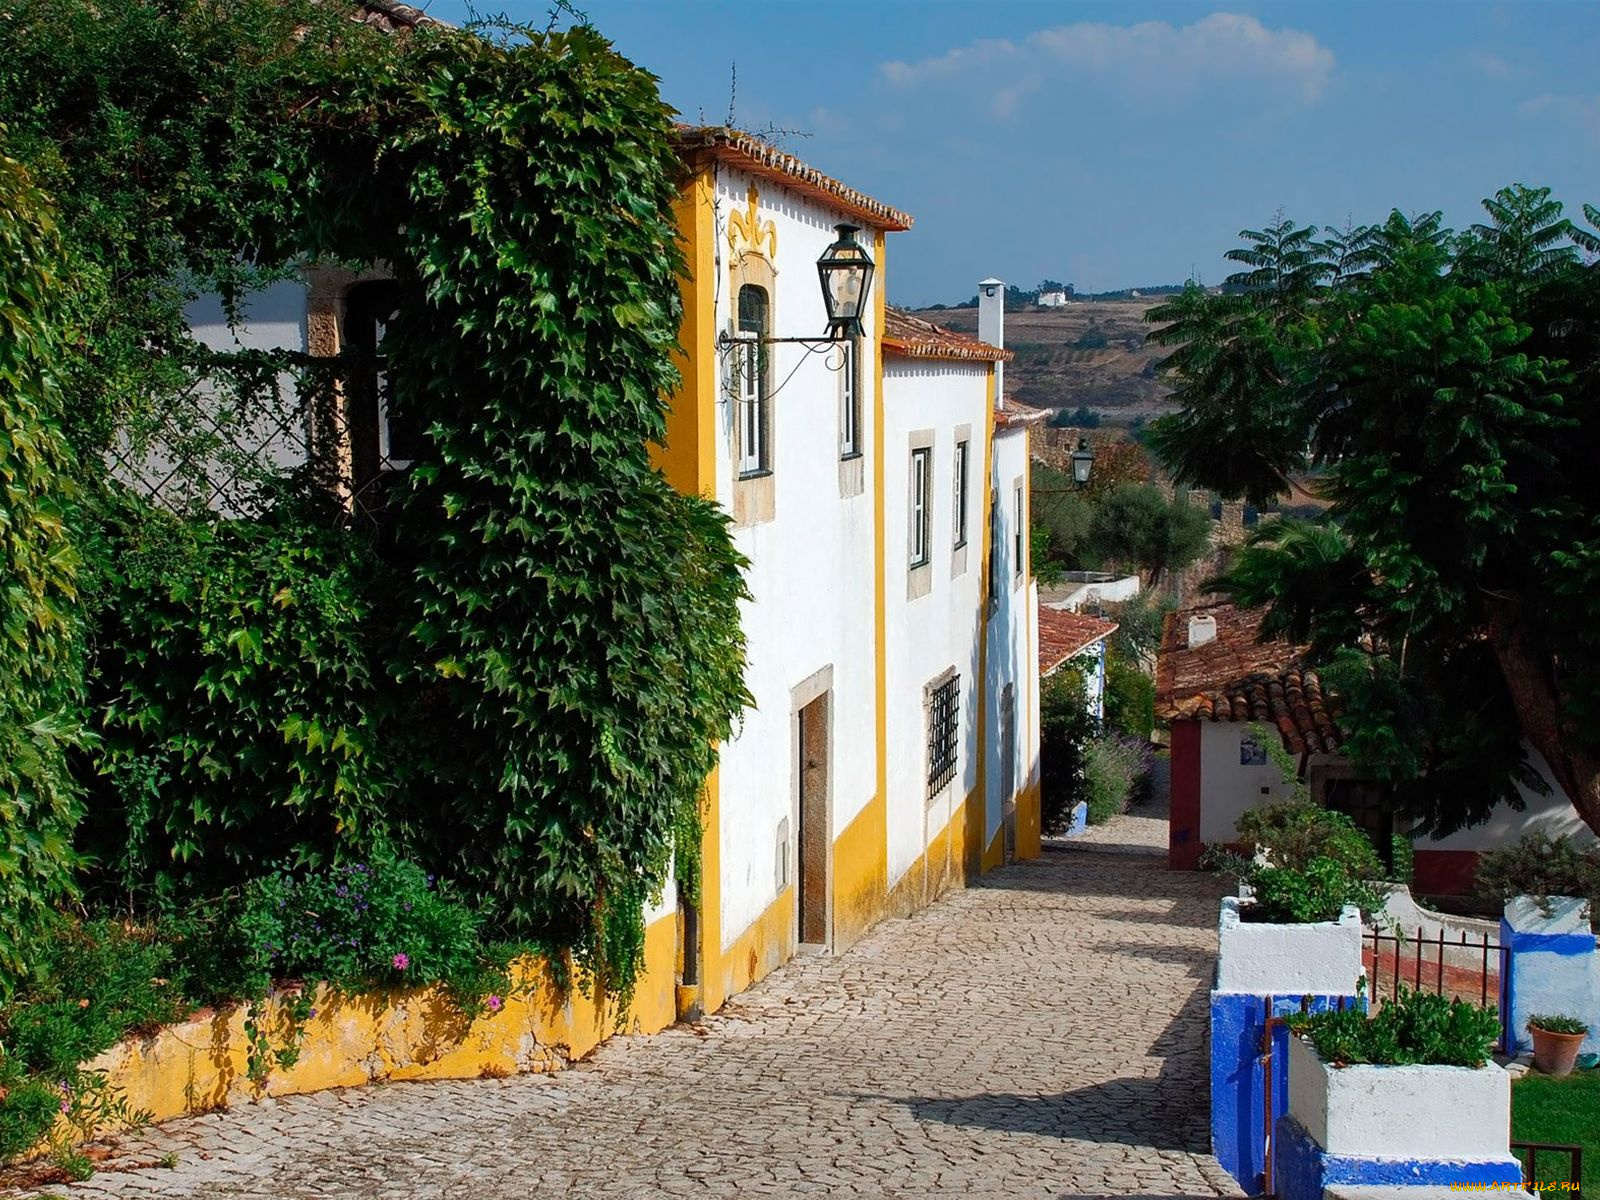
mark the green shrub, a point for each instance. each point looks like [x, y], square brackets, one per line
[1065, 728]
[28, 1109]
[94, 982]
[1418, 1028]
[1317, 891]
[1130, 699]
[1116, 773]
[1294, 832]
[359, 924]
[40, 650]
[1541, 866]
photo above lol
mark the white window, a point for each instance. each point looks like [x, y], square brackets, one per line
[752, 390]
[921, 464]
[850, 402]
[961, 494]
[1019, 532]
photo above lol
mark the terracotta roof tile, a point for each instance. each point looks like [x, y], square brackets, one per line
[759, 158]
[1063, 633]
[1018, 418]
[1238, 677]
[391, 16]
[912, 337]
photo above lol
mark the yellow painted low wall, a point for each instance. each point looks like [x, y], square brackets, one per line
[202, 1064]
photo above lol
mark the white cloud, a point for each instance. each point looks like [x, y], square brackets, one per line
[1491, 65]
[1151, 60]
[1582, 111]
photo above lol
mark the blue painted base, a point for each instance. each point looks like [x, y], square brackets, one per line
[1238, 1085]
[1303, 1170]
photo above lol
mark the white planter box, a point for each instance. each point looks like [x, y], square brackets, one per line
[1323, 959]
[1407, 1113]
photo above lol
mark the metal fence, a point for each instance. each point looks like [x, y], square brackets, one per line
[1462, 966]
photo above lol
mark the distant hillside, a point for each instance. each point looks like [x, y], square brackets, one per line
[1090, 353]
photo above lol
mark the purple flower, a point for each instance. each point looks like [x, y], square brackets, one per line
[401, 962]
[494, 1003]
[311, 1015]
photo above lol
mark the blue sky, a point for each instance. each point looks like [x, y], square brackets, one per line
[1117, 144]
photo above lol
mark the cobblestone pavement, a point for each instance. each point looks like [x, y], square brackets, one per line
[1039, 1035]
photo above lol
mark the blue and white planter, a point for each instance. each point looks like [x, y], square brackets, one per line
[1267, 970]
[1373, 1126]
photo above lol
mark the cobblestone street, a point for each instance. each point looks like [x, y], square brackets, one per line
[1040, 1035]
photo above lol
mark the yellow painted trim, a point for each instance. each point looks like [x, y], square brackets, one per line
[203, 1064]
[1029, 822]
[942, 866]
[688, 459]
[994, 854]
[761, 949]
[748, 232]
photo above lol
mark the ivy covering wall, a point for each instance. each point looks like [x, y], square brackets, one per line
[517, 678]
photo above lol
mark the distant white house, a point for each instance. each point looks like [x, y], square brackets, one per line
[1052, 300]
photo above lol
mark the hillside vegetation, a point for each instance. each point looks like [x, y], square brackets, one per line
[1091, 353]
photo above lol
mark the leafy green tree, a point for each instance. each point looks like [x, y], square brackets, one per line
[1447, 386]
[1138, 526]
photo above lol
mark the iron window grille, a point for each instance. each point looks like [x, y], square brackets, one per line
[944, 722]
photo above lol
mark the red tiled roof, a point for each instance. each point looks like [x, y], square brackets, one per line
[912, 337]
[757, 157]
[391, 15]
[1062, 633]
[1238, 677]
[1018, 418]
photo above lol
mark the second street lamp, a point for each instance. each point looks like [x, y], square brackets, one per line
[1082, 463]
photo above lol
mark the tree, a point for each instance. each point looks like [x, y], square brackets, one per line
[1137, 525]
[1447, 384]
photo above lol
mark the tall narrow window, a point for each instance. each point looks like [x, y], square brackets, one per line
[753, 392]
[921, 461]
[850, 402]
[380, 438]
[1019, 532]
[961, 494]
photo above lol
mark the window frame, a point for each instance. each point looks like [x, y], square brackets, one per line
[850, 401]
[920, 512]
[963, 470]
[1018, 545]
[752, 393]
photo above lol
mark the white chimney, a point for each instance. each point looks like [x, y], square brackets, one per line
[1201, 631]
[992, 327]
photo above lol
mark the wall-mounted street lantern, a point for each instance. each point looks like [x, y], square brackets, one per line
[1082, 463]
[845, 271]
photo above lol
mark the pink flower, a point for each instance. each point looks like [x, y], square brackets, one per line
[495, 1003]
[401, 962]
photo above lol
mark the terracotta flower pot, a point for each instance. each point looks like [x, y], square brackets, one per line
[1555, 1053]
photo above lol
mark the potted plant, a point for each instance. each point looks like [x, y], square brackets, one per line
[1556, 1040]
[1409, 1096]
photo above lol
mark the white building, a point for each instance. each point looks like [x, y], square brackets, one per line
[881, 500]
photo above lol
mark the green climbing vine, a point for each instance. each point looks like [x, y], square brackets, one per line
[516, 676]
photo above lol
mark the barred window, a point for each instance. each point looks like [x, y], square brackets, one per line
[944, 722]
